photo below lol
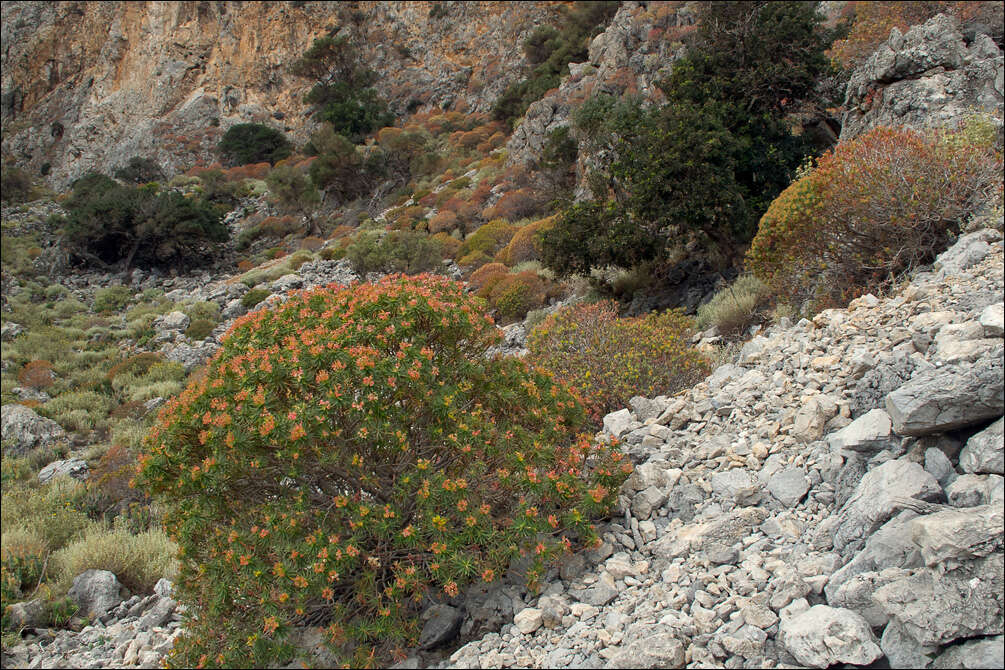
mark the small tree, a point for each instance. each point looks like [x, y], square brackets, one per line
[140, 171]
[295, 192]
[253, 143]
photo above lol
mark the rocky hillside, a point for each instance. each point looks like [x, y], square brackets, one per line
[834, 496]
[88, 84]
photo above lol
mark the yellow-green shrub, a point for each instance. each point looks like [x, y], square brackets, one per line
[525, 245]
[608, 359]
[734, 308]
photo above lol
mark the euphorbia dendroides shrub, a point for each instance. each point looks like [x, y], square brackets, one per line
[874, 207]
[354, 450]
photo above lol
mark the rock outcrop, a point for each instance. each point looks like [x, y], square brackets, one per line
[88, 84]
[932, 75]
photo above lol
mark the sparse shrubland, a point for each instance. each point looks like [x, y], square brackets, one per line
[410, 465]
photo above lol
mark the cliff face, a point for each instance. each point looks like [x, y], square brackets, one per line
[87, 85]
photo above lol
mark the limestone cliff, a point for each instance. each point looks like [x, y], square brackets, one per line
[87, 85]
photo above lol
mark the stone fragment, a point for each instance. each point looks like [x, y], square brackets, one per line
[902, 650]
[28, 614]
[528, 620]
[442, 625]
[618, 423]
[992, 320]
[288, 282]
[810, 420]
[870, 433]
[661, 650]
[823, 636]
[158, 614]
[96, 592]
[172, 321]
[955, 535]
[23, 430]
[877, 499]
[936, 608]
[646, 501]
[10, 330]
[74, 467]
[789, 486]
[987, 652]
[985, 451]
[973, 490]
[941, 399]
[938, 465]
[738, 485]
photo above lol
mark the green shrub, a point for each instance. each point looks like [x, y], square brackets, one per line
[609, 359]
[876, 206]
[140, 171]
[114, 224]
[397, 251]
[52, 512]
[343, 95]
[22, 558]
[79, 410]
[734, 308]
[15, 185]
[139, 560]
[256, 295]
[253, 143]
[112, 298]
[199, 329]
[489, 238]
[382, 455]
[516, 294]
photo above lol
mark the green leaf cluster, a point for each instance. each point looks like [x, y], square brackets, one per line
[253, 143]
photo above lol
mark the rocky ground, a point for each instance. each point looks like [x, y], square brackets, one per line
[834, 496]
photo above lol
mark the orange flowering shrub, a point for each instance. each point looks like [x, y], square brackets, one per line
[350, 453]
[880, 204]
[608, 359]
[486, 273]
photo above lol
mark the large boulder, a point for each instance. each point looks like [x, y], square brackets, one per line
[941, 399]
[73, 467]
[936, 607]
[929, 76]
[823, 636]
[96, 592]
[878, 497]
[23, 430]
[985, 451]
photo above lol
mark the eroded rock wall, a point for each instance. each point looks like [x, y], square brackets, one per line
[87, 85]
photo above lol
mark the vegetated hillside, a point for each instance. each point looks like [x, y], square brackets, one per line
[87, 84]
[628, 157]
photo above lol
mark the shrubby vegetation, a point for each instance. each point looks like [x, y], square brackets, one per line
[253, 143]
[15, 185]
[140, 170]
[607, 359]
[549, 52]
[409, 466]
[703, 167]
[874, 207]
[110, 223]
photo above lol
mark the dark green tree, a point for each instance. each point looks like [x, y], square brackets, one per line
[343, 94]
[704, 166]
[253, 143]
[112, 224]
